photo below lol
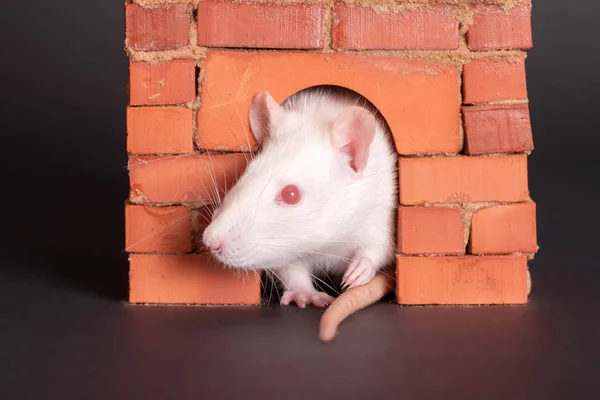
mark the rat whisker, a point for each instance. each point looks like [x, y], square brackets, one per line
[161, 229]
[320, 241]
[317, 265]
[206, 218]
[156, 159]
[386, 273]
[213, 178]
[246, 136]
[263, 285]
[273, 277]
[274, 274]
[324, 283]
[271, 245]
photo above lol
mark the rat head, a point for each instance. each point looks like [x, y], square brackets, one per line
[296, 194]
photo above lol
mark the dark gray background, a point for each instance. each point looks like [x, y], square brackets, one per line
[66, 333]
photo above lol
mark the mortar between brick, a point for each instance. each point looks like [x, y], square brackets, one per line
[499, 102]
[194, 28]
[454, 255]
[440, 57]
[466, 214]
[328, 27]
[505, 4]
[451, 155]
[195, 153]
[461, 129]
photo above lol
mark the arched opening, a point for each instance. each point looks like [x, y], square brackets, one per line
[270, 285]
[364, 101]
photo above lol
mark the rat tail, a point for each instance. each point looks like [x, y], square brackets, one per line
[353, 300]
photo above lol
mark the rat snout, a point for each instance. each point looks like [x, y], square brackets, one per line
[212, 241]
[221, 238]
[215, 247]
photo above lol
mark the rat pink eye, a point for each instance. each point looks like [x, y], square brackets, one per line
[289, 195]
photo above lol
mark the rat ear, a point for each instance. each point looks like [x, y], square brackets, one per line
[352, 133]
[265, 114]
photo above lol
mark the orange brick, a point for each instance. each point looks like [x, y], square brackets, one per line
[504, 229]
[463, 179]
[362, 28]
[157, 229]
[461, 280]
[160, 28]
[430, 230]
[182, 179]
[495, 29]
[201, 217]
[189, 279]
[497, 129]
[159, 130]
[486, 80]
[173, 82]
[419, 100]
[260, 25]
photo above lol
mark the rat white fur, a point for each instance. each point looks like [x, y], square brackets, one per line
[334, 149]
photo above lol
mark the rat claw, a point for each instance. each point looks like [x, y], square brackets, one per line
[359, 273]
[286, 299]
[361, 280]
[321, 300]
[349, 270]
[305, 298]
[355, 275]
[351, 273]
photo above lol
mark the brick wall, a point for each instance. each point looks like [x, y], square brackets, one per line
[448, 76]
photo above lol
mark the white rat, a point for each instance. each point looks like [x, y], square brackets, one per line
[319, 197]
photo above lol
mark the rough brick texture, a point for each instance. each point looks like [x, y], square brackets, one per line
[159, 130]
[494, 28]
[463, 179]
[363, 28]
[430, 230]
[487, 80]
[260, 25]
[158, 229]
[201, 217]
[461, 280]
[497, 129]
[448, 77]
[419, 100]
[161, 28]
[172, 82]
[504, 229]
[188, 279]
[183, 179]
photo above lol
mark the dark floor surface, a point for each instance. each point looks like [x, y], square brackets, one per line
[65, 332]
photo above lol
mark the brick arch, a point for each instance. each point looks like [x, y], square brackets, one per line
[419, 100]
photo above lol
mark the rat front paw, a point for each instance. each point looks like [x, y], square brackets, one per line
[359, 272]
[302, 298]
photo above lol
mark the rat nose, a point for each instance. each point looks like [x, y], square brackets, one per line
[213, 244]
[212, 240]
[216, 247]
